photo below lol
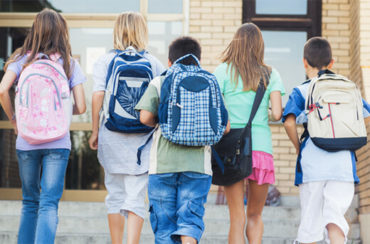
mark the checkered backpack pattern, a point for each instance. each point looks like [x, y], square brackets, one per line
[191, 110]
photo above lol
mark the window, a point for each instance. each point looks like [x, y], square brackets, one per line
[91, 35]
[285, 26]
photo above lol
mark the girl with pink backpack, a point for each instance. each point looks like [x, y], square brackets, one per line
[47, 77]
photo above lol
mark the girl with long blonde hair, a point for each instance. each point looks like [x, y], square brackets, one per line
[125, 180]
[239, 75]
[41, 192]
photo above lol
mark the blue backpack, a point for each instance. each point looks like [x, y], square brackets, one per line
[129, 74]
[191, 110]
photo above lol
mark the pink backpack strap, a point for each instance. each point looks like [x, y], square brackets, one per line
[53, 57]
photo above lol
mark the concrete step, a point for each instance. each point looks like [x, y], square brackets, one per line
[93, 209]
[70, 238]
[97, 225]
[86, 222]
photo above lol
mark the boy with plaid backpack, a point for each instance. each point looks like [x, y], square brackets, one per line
[180, 158]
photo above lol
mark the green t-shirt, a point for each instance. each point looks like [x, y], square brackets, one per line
[239, 105]
[165, 156]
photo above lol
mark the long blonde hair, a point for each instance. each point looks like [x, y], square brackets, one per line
[49, 35]
[244, 56]
[130, 29]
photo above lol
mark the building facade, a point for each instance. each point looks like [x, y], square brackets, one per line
[213, 22]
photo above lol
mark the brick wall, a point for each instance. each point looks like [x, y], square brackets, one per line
[363, 166]
[214, 23]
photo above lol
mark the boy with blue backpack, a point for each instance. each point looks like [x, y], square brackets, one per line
[332, 111]
[187, 103]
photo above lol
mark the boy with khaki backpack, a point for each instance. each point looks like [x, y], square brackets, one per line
[332, 111]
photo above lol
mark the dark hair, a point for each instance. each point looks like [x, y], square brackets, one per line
[317, 52]
[182, 46]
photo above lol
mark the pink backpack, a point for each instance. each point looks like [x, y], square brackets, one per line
[43, 102]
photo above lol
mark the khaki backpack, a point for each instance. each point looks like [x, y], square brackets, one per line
[335, 113]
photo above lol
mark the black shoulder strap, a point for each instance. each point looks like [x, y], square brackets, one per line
[258, 99]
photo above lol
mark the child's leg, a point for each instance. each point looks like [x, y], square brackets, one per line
[337, 199]
[311, 228]
[192, 192]
[235, 201]
[134, 205]
[188, 240]
[134, 227]
[114, 201]
[162, 192]
[116, 223]
[257, 195]
[335, 234]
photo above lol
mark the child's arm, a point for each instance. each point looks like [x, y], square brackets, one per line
[5, 101]
[276, 108]
[227, 130]
[148, 118]
[79, 107]
[291, 129]
[97, 103]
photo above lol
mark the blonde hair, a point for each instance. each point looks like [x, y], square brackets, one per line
[49, 35]
[244, 56]
[130, 29]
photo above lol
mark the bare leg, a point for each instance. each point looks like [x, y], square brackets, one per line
[335, 234]
[257, 195]
[235, 201]
[134, 227]
[116, 223]
[188, 240]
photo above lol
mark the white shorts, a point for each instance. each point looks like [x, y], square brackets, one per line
[126, 193]
[322, 203]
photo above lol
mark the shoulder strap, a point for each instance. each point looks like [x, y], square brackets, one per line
[257, 100]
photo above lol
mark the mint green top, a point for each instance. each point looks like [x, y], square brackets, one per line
[165, 156]
[239, 105]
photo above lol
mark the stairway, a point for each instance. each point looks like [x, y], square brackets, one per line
[86, 223]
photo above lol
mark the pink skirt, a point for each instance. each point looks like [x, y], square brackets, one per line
[263, 171]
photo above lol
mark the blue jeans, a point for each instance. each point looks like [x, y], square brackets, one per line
[177, 205]
[39, 216]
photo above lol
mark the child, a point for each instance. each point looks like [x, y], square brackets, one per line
[325, 178]
[239, 76]
[179, 176]
[125, 180]
[48, 39]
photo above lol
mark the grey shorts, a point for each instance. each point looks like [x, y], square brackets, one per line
[126, 193]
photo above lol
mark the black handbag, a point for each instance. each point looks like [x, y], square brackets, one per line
[232, 155]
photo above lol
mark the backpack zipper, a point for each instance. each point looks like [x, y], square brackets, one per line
[331, 119]
[41, 62]
[33, 74]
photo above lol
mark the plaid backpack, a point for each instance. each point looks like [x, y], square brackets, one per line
[334, 111]
[129, 74]
[191, 110]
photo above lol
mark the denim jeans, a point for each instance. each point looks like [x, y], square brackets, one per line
[177, 205]
[39, 217]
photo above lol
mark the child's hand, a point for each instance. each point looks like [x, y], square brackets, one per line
[93, 141]
[14, 124]
[297, 148]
